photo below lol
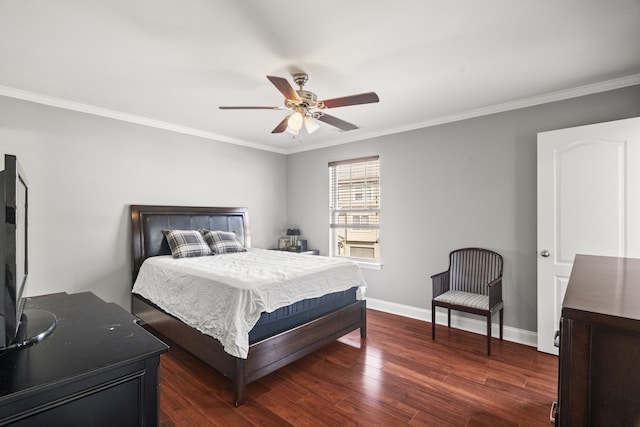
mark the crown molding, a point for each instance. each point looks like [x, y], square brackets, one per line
[126, 117]
[483, 111]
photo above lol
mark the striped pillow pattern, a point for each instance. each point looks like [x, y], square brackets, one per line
[186, 243]
[222, 242]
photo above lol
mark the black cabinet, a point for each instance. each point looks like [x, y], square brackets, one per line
[98, 368]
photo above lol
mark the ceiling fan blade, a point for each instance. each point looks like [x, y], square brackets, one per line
[250, 108]
[284, 87]
[282, 126]
[363, 98]
[339, 123]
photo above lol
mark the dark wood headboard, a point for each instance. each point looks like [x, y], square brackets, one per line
[149, 221]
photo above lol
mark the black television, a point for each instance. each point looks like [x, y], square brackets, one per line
[18, 327]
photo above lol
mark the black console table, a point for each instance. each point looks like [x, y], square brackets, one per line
[98, 368]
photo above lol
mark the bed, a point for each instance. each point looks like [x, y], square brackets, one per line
[273, 342]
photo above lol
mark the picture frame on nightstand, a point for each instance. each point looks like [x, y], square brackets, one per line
[283, 244]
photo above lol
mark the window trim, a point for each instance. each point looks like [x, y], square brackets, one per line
[352, 161]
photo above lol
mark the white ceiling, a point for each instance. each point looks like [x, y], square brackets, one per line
[170, 63]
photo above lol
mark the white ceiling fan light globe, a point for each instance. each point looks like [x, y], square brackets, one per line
[295, 121]
[293, 131]
[311, 125]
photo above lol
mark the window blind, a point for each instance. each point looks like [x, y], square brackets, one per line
[354, 187]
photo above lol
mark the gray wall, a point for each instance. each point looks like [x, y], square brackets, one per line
[468, 183]
[84, 172]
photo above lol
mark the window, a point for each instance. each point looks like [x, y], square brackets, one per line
[354, 208]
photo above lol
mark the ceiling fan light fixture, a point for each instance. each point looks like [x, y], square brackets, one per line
[293, 131]
[295, 122]
[311, 125]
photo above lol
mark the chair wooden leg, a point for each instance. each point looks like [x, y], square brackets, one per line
[501, 322]
[449, 317]
[489, 334]
[433, 321]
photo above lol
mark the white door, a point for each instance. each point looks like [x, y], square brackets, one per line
[588, 203]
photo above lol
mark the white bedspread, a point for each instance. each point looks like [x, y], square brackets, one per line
[224, 295]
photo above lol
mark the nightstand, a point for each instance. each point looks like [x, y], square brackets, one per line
[309, 252]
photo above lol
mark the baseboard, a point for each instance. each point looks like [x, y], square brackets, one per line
[478, 326]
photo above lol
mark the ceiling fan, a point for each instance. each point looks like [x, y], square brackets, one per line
[305, 107]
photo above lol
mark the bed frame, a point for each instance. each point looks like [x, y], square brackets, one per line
[264, 356]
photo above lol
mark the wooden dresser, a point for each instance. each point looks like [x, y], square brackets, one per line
[599, 382]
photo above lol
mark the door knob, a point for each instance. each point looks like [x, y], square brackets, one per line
[545, 253]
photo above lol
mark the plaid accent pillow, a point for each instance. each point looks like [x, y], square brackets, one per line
[186, 243]
[223, 242]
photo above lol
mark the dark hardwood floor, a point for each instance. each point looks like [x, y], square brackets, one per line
[396, 376]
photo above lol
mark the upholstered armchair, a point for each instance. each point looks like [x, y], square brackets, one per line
[473, 284]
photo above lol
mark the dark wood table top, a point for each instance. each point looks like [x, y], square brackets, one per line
[604, 287]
